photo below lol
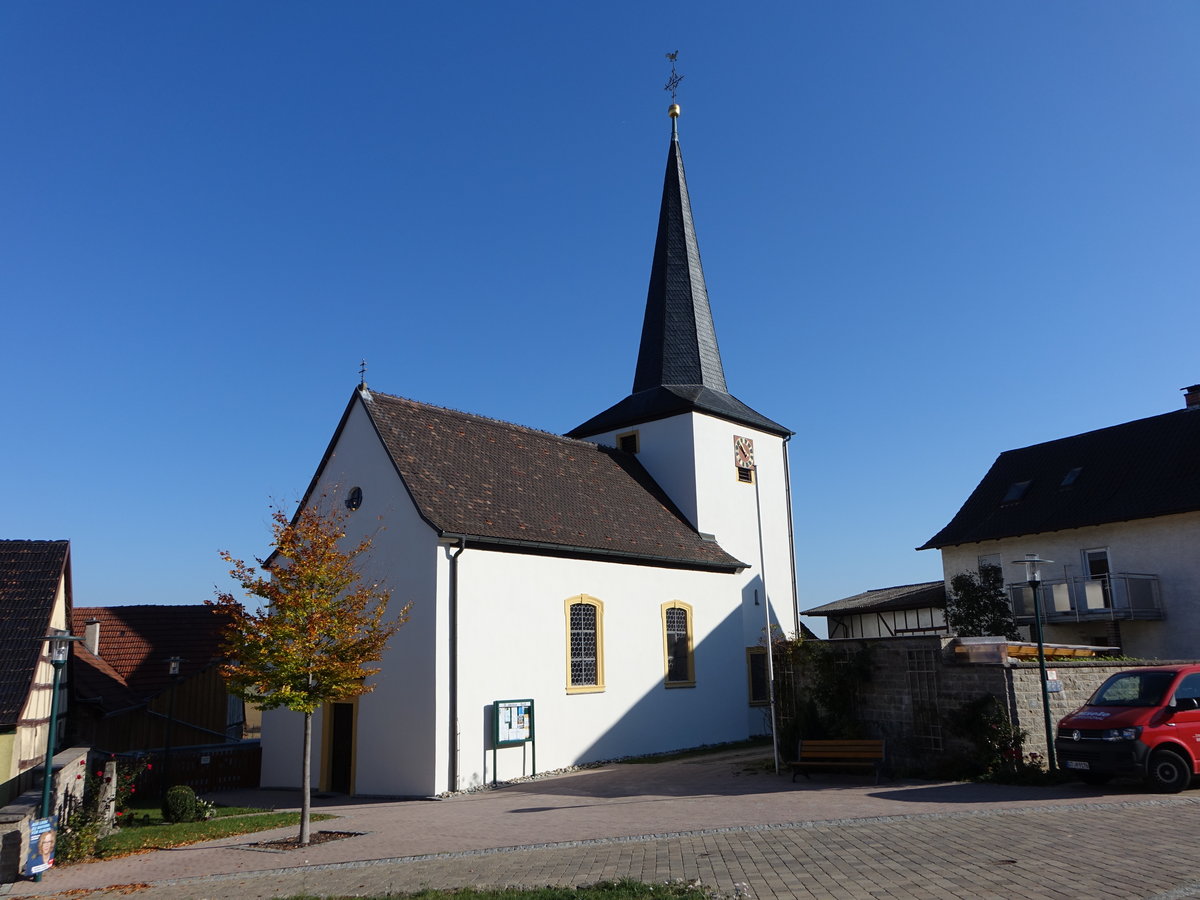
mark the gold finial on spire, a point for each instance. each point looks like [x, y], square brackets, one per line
[672, 85]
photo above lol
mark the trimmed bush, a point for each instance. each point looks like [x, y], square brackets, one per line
[180, 805]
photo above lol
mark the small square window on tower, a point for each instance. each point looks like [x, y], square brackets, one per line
[628, 442]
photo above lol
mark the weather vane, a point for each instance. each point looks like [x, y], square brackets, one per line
[673, 82]
[362, 373]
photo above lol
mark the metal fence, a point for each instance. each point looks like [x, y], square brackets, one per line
[1121, 595]
[204, 769]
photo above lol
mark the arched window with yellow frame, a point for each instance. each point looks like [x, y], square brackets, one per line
[585, 644]
[678, 660]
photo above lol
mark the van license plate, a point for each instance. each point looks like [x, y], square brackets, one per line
[1077, 764]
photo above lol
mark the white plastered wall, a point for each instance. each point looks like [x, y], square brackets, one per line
[513, 645]
[400, 737]
[691, 456]
[890, 623]
[1167, 546]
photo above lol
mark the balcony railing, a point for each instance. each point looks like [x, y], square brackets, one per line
[1120, 595]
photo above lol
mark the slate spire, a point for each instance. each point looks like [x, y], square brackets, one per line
[679, 366]
[679, 343]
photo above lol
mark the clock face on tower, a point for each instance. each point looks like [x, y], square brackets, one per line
[743, 452]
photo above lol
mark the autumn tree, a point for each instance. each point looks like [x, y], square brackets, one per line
[312, 627]
[978, 605]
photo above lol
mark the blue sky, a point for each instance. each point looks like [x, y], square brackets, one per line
[932, 231]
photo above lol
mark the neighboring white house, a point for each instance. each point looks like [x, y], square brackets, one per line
[902, 611]
[1118, 511]
[618, 582]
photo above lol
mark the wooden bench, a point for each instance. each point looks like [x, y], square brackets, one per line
[865, 754]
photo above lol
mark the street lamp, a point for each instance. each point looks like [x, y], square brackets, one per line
[60, 649]
[1033, 577]
[173, 673]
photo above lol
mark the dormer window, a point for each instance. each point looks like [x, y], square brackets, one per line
[1016, 491]
[1070, 477]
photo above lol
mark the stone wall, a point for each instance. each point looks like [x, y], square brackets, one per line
[1079, 681]
[16, 816]
[916, 684]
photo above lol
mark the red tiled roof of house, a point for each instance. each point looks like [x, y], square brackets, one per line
[137, 641]
[95, 681]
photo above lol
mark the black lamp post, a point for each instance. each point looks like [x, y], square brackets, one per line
[173, 672]
[60, 649]
[1033, 577]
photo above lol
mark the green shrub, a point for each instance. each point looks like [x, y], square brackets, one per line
[77, 839]
[996, 746]
[180, 805]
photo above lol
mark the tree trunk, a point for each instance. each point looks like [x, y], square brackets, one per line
[305, 781]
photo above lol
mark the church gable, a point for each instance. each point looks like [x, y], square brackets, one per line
[523, 489]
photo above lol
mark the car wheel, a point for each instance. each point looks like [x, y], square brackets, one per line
[1096, 778]
[1168, 773]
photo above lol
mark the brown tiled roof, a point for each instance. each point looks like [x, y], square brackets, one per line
[904, 596]
[524, 489]
[95, 681]
[29, 577]
[137, 641]
[1137, 470]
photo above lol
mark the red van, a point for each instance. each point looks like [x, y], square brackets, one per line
[1143, 722]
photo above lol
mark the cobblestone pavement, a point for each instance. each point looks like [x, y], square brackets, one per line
[902, 840]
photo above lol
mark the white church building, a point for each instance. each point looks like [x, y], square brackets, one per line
[575, 598]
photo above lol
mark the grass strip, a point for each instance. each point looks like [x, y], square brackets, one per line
[163, 836]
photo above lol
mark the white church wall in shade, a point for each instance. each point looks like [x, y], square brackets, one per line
[513, 645]
[398, 739]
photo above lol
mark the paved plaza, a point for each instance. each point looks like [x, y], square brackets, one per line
[727, 821]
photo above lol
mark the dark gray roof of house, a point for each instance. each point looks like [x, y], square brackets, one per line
[679, 364]
[29, 576]
[517, 488]
[1137, 470]
[905, 596]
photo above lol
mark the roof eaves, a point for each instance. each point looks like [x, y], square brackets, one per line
[579, 552]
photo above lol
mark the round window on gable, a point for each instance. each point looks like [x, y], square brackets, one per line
[354, 498]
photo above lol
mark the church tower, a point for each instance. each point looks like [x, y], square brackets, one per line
[723, 464]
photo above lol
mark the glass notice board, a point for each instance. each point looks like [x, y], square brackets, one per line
[512, 726]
